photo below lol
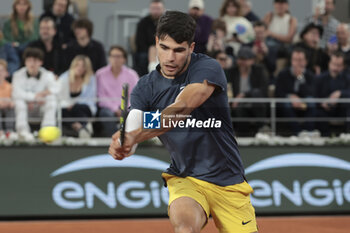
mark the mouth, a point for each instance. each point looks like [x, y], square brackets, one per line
[170, 68]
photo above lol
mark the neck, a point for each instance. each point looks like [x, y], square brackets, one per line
[116, 71]
[244, 71]
[21, 17]
[34, 74]
[48, 44]
[85, 43]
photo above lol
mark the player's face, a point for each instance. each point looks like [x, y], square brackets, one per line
[173, 57]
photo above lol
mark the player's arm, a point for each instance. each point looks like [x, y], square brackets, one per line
[192, 96]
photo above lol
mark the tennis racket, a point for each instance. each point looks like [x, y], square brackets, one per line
[124, 109]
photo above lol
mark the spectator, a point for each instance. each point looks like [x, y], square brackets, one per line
[49, 45]
[294, 83]
[203, 28]
[225, 63]
[323, 17]
[145, 32]
[264, 56]
[63, 20]
[6, 105]
[78, 93]
[34, 93]
[342, 42]
[85, 45]
[224, 60]
[246, 11]
[110, 80]
[333, 84]
[317, 59]
[217, 38]
[282, 27]
[8, 53]
[248, 81]
[22, 27]
[239, 29]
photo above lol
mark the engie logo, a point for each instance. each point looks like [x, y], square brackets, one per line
[132, 194]
[151, 120]
[292, 185]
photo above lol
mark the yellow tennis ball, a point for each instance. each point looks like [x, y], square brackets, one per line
[49, 134]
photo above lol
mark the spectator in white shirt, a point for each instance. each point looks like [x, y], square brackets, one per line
[34, 93]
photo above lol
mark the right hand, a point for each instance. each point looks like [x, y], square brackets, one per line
[119, 152]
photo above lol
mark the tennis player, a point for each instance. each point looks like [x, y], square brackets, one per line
[206, 175]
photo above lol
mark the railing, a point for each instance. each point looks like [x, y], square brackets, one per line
[272, 118]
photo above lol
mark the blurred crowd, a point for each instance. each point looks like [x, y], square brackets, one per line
[52, 62]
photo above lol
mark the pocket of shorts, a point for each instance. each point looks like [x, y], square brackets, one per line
[243, 188]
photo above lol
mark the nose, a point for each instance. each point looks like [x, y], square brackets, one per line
[171, 56]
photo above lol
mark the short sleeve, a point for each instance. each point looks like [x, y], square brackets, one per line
[210, 70]
[138, 98]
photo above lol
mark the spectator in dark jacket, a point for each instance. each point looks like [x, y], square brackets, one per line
[333, 84]
[63, 21]
[317, 59]
[50, 46]
[85, 45]
[145, 36]
[248, 81]
[203, 21]
[294, 83]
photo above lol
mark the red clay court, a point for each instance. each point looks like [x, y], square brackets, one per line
[326, 224]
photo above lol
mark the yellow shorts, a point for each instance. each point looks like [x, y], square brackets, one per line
[229, 206]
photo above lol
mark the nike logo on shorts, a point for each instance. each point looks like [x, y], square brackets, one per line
[245, 223]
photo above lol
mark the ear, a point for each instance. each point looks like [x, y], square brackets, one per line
[157, 40]
[192, 46]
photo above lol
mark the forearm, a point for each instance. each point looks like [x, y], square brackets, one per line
[174, 113]
[285, 39]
